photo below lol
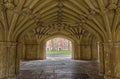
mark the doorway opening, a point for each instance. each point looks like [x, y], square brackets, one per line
[58, 48]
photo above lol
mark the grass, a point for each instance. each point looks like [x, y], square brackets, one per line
[59, 52]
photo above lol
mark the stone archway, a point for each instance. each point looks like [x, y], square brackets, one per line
[77, 46]
[55, 36]
[100, 17]
[83, 40]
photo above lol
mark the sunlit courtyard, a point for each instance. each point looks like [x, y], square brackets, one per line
[58, 48]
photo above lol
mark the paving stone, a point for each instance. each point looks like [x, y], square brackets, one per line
[59, 69]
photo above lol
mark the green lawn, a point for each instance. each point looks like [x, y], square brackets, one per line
[59, 52]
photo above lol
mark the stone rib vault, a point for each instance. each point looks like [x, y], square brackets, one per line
[87, 23]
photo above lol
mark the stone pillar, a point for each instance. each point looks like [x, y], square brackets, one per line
[31, 51]
[41, 51]
[85, 52]
[76, 51]
[101, 58]
[22, 51]
[18, 56]
[38, 51]
[94, 52]
[112, 60]
[8, 60]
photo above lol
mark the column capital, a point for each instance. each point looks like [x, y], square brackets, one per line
[111, 77]
[8, 43]
[111, 43]
[31, 44]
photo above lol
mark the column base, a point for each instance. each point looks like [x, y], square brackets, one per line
[110, 77]
[9, 78]
[101, 74]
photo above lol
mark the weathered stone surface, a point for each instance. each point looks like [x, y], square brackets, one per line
[59, 69]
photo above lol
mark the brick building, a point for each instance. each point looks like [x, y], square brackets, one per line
[58, 44]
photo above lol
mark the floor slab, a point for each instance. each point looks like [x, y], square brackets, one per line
[59, 69]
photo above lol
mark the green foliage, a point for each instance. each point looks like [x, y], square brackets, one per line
[59, 52]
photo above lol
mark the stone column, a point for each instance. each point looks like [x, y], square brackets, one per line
[101, 58]
[18, 56]
[94, 53]
[85, 52]
[41, 51]
[22, 51]
[76, 51]
[112, 60]
[34, 51]
[8, 60]
[38, 51]
[31, 51]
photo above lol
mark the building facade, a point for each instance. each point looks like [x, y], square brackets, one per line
[58, 44]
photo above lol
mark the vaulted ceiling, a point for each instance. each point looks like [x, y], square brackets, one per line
[45, 33]
[72, 17]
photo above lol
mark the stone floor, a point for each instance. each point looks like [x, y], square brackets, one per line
[59, 69]
[58, 56]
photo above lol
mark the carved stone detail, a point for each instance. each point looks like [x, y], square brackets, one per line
[26, 11]
[118, 11]
[112, 6]
[8, 43]
[102, 13]
[9, 5]
[2, 7]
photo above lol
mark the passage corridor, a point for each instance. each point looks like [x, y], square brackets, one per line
[59, 69]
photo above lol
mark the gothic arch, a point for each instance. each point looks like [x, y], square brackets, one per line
[60, 36]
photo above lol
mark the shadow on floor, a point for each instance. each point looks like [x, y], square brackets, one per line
[59, 69]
